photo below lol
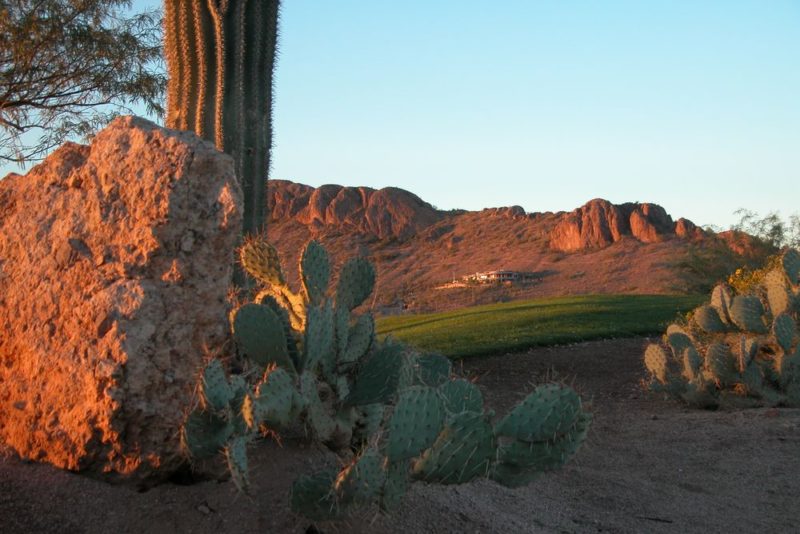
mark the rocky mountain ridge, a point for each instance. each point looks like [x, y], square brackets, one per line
[394, 213]
[599, 247]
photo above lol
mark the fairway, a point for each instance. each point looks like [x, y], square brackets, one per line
[516, 326]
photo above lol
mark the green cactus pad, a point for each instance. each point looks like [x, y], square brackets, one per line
[708, 319]
[356, 281]
[259, 334]
[746, 312]
[692, 362]
[784, 329]
[464, 450]
[315, 271]
[236, 456]
[787, 367]
[433, 369]
[461, 396]
[378, 378]
[748, 348]
[778, 295]
[205, 433]
[723, 365]
[678, 341]
[368, 422]
[319, 339]
[395, 487]
[359, 340]
[341, 317]
[550, 410]
[217, 393]
[791, 266]
[753, 378]
[313, 496]
[289, 332]
[272, 402]
[655, 359]
[721, 301]
[261, 261]
[322, 424]
[416, 421]
[519, 462]
[362, 480]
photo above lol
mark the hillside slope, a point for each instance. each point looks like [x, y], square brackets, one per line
[597, 248]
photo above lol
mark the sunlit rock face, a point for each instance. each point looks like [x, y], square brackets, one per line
[115, 263]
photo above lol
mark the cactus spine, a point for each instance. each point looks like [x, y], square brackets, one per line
[220, 58]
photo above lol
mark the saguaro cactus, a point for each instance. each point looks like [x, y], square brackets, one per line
[220, 57]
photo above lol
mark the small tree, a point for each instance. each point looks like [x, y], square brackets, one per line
[68, 66]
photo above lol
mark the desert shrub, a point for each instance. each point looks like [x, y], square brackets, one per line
[392, 414]
[746, 279]
[740, 349]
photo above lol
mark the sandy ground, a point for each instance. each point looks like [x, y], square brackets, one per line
[650, 465]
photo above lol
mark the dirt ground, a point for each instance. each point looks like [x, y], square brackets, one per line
[650, 465]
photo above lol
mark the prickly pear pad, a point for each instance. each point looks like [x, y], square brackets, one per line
[461, 396]
[655, 359]
[259, 334]
[721, 300]
[464, 450]
[417, 419]
[205, 433]
[378, 378]
[519, 462]
[313, 496]
[708, 319]
[791, 266]
[784, 330]
[356, 281]
[236, 455]
[433, 369]
[722, 364]
[778, 295]
[746, 313]
[359, 339]
[272, 402]
[362, 480]
[319, 341]
[549, 411]
[217, 393]
[261, 261]
[315, 270]
[396, 485]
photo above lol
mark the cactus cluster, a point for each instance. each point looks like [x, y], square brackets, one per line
[737, 350]
[393, 414]
[442, 434]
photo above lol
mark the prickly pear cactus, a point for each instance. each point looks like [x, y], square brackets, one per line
[444, 435]
[406, 413]
[738, 350]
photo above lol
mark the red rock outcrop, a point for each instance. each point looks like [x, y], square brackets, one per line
[384, 213]
[596, 224]
[116, 261]
[600, 223]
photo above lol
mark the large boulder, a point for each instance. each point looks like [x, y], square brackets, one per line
[116, 260]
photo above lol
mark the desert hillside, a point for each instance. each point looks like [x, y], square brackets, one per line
[420, 251]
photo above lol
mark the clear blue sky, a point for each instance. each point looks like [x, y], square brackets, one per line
[694, 105]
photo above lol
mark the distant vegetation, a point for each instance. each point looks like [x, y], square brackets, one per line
[516, 326]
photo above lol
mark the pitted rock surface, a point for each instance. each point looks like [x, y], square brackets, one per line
[116, 260]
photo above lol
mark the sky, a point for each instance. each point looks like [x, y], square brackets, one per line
[469, 104]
